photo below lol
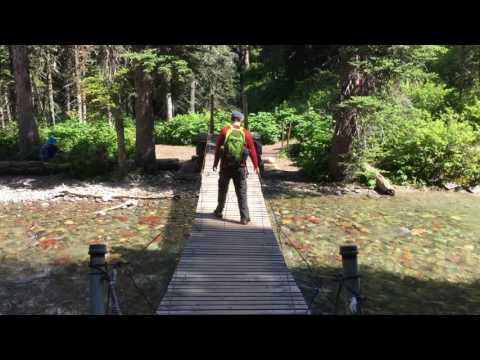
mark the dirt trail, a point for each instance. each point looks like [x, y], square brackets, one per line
[281, 163]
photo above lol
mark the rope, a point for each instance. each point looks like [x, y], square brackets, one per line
[140, 291]
[311, 274]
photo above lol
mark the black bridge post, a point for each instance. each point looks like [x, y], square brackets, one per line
[351, 280]
[96, 278]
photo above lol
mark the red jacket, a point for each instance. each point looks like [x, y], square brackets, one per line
[249, 143]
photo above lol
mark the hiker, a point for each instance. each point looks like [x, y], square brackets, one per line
[49, 150]
[236, 144]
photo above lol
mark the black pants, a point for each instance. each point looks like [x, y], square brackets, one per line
[240, 182]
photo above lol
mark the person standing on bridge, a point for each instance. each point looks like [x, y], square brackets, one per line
[234, 145]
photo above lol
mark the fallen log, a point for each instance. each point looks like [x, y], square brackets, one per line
[382, 184]
[129, 203]
[168, 164]
[109, 197]
[31, 168]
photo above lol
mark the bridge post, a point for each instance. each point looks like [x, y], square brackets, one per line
[97, 267]
[351, 279]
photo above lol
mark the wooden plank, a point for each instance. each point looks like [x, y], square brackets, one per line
[232, 312]
[235, 278]
[233, 307]
[297, 298]
[233, 288]
[235, 270]
[249, 304]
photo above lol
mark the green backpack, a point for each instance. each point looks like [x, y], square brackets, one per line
[233, 146]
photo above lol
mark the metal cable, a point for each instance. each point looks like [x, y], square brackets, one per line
[140, 291]
[313, 278]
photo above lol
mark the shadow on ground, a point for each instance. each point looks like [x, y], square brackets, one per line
[63, 288]
[390, 294]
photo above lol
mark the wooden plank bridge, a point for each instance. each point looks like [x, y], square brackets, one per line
[229, 268]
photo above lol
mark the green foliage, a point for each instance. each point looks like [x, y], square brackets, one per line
[443, 149]
[318, 92]
[266, 125]
[89, 148]
[182, 129]
[471, 111]
[367, 176]
[9, 141]
[314, 133]
[429, 96]
[153, 60]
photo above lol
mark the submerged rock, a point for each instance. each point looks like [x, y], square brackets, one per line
[403, 231]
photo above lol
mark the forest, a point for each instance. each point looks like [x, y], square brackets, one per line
[351, 117]
[411, 112]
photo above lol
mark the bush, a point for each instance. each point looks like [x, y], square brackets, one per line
[314, 133]
[9, 141]
[266, 125]
[428, 96]
[445, 149]
[91, 149]
[182, 129]
[471, 111]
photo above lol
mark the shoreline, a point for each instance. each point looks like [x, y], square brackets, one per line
[18, 189]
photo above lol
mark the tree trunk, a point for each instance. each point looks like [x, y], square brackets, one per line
[31, 168]
[245, 64]
[32, 90]
[145, 144]
[50, 92]
[353, 84]
[168, 99]
[7, 104]
[192, 96]
[109, 115]
[121, 149]
[244, 67]
[2, 117]
[212, 107]
[67, 90]
[169, 106]
[27, 126]
[78, 83]
[84, 106]
[245, 109]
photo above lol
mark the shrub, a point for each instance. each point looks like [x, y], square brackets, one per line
[428, 96]
[9, 141]
[182, 129]
[91, 148]
[445, 149]
[314, 133]
[266, 125]
[471, 111]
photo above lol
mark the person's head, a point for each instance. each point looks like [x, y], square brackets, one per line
[237, 116]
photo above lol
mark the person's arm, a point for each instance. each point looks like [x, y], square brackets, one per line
[219, 144]
[251, 148]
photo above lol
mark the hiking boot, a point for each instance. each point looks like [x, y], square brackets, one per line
[245, 221]
[217, 214]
